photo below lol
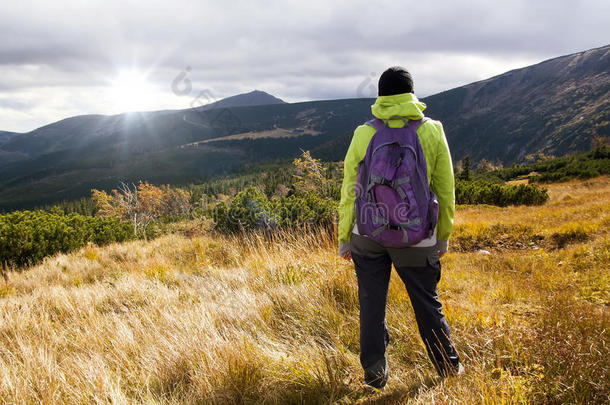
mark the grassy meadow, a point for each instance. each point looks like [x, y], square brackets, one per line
[196, 318]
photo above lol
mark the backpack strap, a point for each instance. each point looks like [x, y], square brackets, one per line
[395, 117]
[376, 123]
[417, 123]
[380, 124]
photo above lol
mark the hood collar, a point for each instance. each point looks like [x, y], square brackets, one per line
[405, 104]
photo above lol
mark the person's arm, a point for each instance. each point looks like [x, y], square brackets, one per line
[355, 154]
[443, 185]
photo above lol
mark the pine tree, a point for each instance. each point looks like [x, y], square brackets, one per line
[465, 174]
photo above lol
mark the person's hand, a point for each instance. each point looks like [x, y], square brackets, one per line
[442, 246]
[345, 251]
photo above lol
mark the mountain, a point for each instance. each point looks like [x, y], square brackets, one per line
[253, 98]
[5, 136]
[77, 132]
[66, 159]
[554, 107]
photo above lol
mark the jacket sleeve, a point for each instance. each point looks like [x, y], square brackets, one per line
[442, 184]
[355, 154]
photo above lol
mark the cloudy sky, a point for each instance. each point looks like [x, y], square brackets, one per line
[64, 58]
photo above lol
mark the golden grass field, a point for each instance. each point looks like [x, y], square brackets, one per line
[211, 319]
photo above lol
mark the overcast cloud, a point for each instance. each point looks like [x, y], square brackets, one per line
[64, 58]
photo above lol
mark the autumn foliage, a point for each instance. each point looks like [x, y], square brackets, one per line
[142, 204]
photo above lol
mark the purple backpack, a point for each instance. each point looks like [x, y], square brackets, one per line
[394, 203]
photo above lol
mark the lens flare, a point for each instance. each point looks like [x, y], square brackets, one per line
[131, 91]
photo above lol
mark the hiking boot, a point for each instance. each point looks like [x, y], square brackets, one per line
[377, 375]
[452, 371]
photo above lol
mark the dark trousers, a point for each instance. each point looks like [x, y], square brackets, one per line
[373, 274]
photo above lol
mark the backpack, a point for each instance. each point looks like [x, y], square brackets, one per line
[394, 203]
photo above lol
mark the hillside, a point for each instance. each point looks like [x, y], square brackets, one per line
[80, 131]
[210, 319]
[6, 136]
[64, 163]
[554, 107]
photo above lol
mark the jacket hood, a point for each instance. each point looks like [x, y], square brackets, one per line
[405, 104]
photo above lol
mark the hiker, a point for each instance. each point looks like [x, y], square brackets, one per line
[397, 206]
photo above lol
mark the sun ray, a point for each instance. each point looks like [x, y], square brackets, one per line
[131, 91]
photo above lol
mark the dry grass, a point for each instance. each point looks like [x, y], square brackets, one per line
[207, 319]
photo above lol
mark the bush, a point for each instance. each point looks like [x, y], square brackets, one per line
[250, 209]
[479, 192]
[305, 209]
[26, 237]
[581, 165]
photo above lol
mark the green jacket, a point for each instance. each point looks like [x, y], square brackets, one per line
[436, 151]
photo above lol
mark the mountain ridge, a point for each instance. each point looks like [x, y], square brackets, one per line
[19, 146]
[503, 118]
[6, 136]
[253, 98]
[539, 107]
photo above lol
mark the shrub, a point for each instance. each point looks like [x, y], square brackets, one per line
[250, 209]
[307, 209]
[479, 192]
[581, 165]
[26, 237]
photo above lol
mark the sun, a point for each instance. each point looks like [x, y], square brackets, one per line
[131, 91]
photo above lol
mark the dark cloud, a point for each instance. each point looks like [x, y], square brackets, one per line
[53, 52]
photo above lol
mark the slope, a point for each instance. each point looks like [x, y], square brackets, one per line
[209, 319]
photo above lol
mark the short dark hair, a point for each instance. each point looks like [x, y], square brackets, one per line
[395, 80]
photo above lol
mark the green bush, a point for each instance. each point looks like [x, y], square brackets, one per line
[479, 192]
[250, 209]
[26, 237]
[583, 165]
[308, 209]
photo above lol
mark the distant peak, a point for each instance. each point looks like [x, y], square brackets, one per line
[257, 92]
[252, 98]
